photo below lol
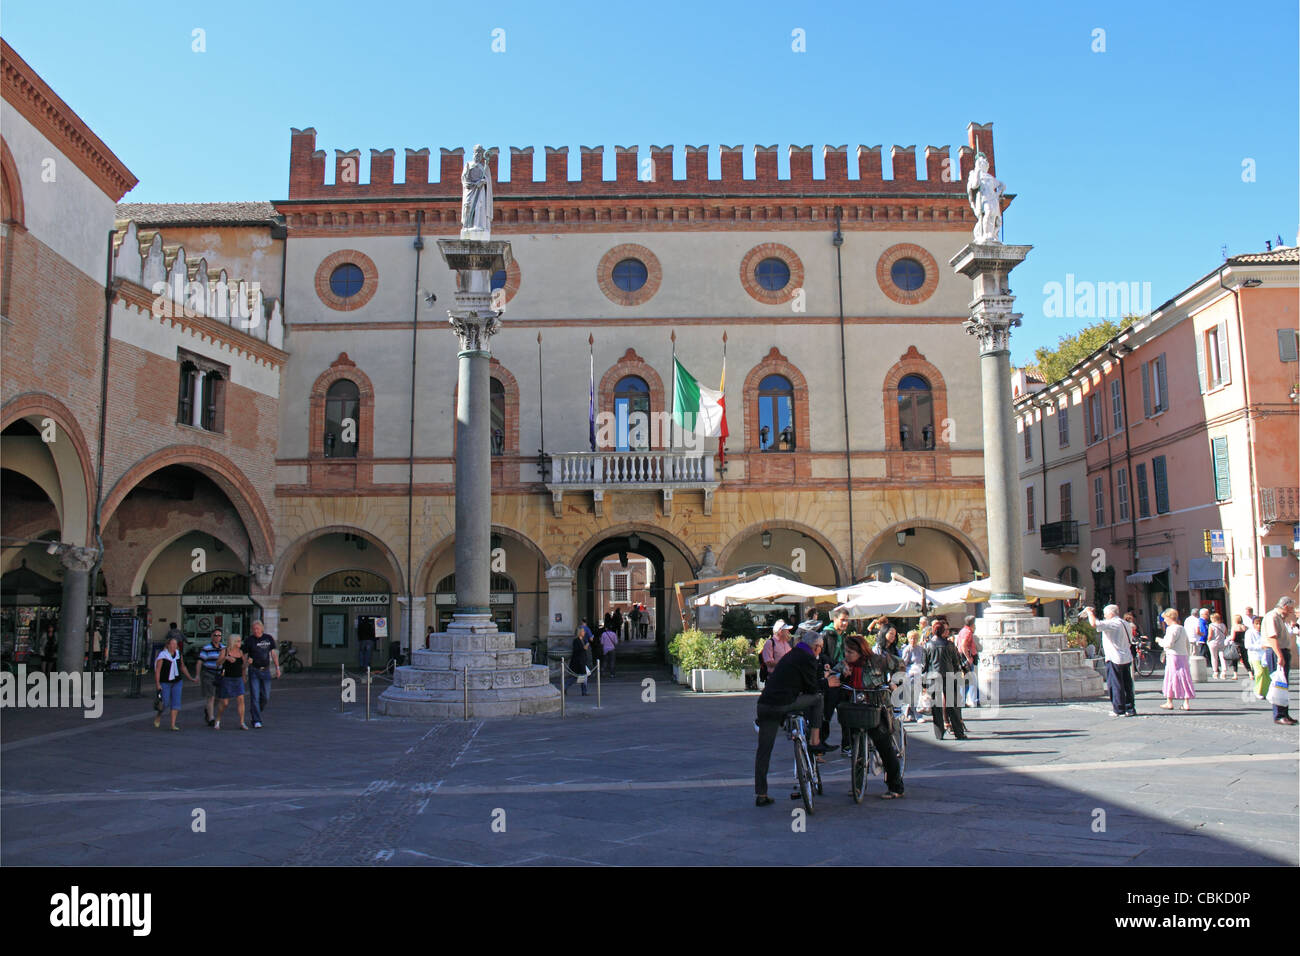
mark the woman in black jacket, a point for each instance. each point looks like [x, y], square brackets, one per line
[944, 669]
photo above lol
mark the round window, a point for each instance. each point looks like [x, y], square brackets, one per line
[908, 274]
[346, 281]
[772, 274]
[630, 275]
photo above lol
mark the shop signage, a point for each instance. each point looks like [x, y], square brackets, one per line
[1218, 545]
[216, 600]
[496, 597]
[335, 599]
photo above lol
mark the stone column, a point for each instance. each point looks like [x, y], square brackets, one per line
[77, 564]
[472, 666]
[562, 623]
[1021, 660]
[412, 622]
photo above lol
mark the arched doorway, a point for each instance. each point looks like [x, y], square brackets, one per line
[343, 602]
[502, 602]
[633, 567]
[935, 554]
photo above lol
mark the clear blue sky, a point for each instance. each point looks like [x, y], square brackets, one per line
[1127, 163]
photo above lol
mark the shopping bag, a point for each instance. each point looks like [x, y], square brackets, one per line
[1278, 696]
[1278, 678]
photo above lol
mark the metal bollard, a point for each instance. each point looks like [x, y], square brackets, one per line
[367, 693]
[467, 692]
[343, 683]
[563, 673]
[598, 687]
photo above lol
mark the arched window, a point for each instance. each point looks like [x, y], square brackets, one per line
[632, 413]
[915, 414]
[498, 405]
[776, 414]
[1070, 576]
[342, 419]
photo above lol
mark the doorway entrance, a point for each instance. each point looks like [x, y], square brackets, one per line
[616, 575]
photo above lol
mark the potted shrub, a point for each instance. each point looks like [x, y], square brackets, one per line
[723, 663]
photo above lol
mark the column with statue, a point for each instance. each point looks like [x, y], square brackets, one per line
[1021, 659]
[472, 660]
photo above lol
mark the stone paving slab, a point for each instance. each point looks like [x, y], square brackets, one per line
[633, 783]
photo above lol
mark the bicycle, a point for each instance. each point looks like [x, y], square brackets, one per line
[1144, 658]
[808, 775]
[859, 715]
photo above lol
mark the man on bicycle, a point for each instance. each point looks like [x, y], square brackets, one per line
[864, 670]
[793, 685]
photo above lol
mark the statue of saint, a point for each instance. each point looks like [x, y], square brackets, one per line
[985, 194]
[476, 197]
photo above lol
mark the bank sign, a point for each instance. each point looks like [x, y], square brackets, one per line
[336, 599]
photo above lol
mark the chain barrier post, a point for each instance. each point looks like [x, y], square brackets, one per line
[467, 692]
[367, 692]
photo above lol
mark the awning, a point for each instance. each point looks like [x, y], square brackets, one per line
[1144, 577]
[1203, 573]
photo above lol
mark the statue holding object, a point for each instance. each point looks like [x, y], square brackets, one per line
[984, 191]
[476, 198]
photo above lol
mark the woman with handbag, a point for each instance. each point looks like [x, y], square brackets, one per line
[1218, 637]
[1178, 672]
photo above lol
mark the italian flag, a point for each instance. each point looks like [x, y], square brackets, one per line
[698, 408]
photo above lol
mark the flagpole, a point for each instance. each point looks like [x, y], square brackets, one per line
[591, 394]
[722, 387]
[671, 443]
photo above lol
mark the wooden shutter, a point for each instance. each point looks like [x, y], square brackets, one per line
[1288, 345]
[1163, 381]
[1161, 477]
[1222, 483]
[1225, 366]
[1201, 375]
[1067, 506]
[1146, 389]
[1144, 502]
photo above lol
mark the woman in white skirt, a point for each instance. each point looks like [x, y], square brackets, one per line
[1178, 673]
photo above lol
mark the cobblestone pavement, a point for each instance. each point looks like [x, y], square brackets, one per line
[668, 782]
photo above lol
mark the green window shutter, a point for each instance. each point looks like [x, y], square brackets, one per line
[1146, 389]
[1288, 345]
[1225, 364]
[1200, 360]
[1161, 477]
[1222, 484]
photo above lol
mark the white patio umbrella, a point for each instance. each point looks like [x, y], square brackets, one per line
[767, 589]
[873, 598]
[977, 592]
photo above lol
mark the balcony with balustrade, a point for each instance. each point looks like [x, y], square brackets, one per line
[662, 472]
[1056, 536]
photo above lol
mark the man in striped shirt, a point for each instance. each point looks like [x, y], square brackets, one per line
[209, 673]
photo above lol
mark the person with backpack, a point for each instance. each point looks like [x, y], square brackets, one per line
[609, 647]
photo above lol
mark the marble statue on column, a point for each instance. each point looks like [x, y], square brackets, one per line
[984, 191]
[476, 198]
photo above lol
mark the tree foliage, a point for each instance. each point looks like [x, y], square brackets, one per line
[1055, 363]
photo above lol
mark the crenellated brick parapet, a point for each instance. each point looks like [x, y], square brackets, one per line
[943, 172]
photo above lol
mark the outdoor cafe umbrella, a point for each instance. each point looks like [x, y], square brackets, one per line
[977, 592]
[767, 589]
[873, 598]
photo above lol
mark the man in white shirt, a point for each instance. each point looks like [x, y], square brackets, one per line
[1277, 637]
[1115, 641]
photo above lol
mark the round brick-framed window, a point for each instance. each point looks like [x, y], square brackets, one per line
[907, 273]
[339, 270]
[624, 289]
[764, 266]
[508, 279]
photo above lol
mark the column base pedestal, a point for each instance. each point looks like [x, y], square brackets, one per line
[1022, 661]
[503, 681]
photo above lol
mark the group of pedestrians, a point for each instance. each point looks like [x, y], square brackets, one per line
[1264, 646]
[816, 671]
[227, 671]
[592, 653]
